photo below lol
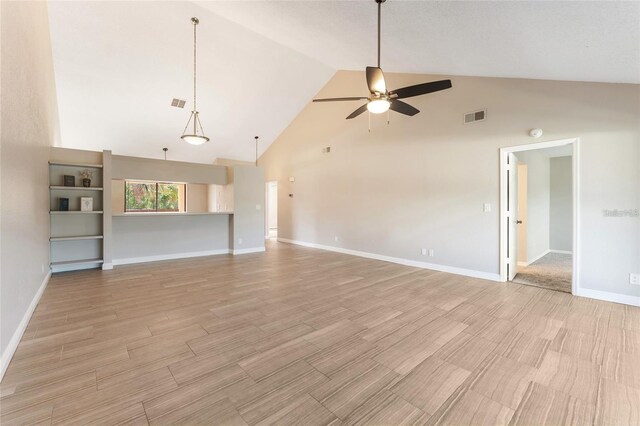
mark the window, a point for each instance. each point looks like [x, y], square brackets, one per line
[154, 197]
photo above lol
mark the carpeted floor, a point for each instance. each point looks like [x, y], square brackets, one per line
[552, 271]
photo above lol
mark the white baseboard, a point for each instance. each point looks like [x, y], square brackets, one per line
[400, 261]
[561, 251]
[540, 256]
[17, 335]
[107, 266]
[609, 297]
[130, 260]
[248, 250]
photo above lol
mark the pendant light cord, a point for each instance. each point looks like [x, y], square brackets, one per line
[195, 108]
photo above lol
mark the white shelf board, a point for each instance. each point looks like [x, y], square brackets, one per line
[82, 237]
[75, 212]
[76, 188]
[77, 262]
[160, 214]
[61, 164]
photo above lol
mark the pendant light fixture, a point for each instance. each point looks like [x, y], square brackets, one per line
[197, 137]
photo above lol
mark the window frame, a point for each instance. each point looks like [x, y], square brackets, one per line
[181, 203]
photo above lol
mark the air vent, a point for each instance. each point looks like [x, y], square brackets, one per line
[178, 103]
[472, 117]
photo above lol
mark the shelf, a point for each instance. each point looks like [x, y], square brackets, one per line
[85, 237]
[77, 262]
[88, 166]
[76, 188]
[160, 214]
[75, 212]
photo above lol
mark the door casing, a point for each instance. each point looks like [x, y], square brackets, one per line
[504, 153]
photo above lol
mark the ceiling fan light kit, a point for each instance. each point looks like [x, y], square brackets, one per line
[197, 137]
[378, 106]
[381, 100]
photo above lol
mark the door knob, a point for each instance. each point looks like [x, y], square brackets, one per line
[518, 222]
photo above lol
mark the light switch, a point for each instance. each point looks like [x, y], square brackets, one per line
[292, 179]
[486, 207]
[258, 207]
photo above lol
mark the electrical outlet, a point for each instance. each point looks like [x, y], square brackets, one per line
[258, 207]
[336, 238]
[486, 207]
[239, 241]
[634, 279]
[424, 251]
[431, 253]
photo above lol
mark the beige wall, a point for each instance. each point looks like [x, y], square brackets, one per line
[29, 126]
[167, 171]
[421, 181]
[197, 198]
[561, 204]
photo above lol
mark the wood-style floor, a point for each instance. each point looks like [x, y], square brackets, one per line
[298, 335]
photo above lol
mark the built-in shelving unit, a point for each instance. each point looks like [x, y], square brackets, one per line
[76, 237]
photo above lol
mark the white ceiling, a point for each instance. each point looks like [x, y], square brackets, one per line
[119, 64]
[552, 40]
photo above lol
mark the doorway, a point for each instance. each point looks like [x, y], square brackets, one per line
[272, 210]
[539, 215]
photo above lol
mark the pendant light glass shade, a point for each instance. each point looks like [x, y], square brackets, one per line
[197, 136]
[195, 139]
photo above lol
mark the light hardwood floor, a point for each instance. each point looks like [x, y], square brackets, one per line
[298, 335]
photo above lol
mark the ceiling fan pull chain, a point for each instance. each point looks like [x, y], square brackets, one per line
[369, 114]
[388, 118]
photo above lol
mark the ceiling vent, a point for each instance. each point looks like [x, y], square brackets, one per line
[472, 117]
[178, 103]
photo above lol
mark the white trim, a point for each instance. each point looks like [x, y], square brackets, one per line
[561, 251]
[130, 260]
[400, 261]
[248, 250]
[575, 282]
[17, 335]
[523, 264]
[540, 256]
[609, 297]
[107, 266]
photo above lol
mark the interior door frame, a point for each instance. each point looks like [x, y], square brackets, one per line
[575, 175]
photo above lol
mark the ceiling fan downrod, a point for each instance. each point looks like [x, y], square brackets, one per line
[379, 25]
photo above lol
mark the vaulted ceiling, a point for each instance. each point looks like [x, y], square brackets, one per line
[119, 64]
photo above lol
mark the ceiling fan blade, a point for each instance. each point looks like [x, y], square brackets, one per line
[357, 112]
[403, 108]
[375, 80]
[420, 89]
[353, 98]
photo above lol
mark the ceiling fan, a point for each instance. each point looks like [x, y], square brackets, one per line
[381, 100]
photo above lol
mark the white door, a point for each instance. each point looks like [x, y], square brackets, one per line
[512, 216]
